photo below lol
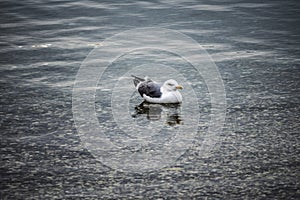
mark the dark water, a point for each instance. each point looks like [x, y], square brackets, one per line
[255, 46]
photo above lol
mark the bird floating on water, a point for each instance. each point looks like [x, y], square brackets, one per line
[153, 92]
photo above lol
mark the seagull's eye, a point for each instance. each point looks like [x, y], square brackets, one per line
[170, 84]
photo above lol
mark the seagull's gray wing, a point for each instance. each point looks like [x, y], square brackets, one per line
[150, 88]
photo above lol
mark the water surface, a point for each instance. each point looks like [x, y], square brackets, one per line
[256, 48]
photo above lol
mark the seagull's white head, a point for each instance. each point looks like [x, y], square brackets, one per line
[171, 85]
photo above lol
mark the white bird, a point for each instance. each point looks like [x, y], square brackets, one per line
[153, 92]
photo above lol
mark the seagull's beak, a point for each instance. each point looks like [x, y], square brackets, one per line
[179, 87]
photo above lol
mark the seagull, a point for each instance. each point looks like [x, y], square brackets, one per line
[153, 92]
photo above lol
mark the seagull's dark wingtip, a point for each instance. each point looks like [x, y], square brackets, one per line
[137, 80]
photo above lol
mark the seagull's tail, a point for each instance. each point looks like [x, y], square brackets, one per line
[137, 80]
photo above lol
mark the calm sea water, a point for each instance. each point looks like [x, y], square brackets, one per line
[255, 46]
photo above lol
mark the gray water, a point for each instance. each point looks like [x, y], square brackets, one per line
[255, 46]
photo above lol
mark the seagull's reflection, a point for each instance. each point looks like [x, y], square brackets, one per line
[154, 112]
